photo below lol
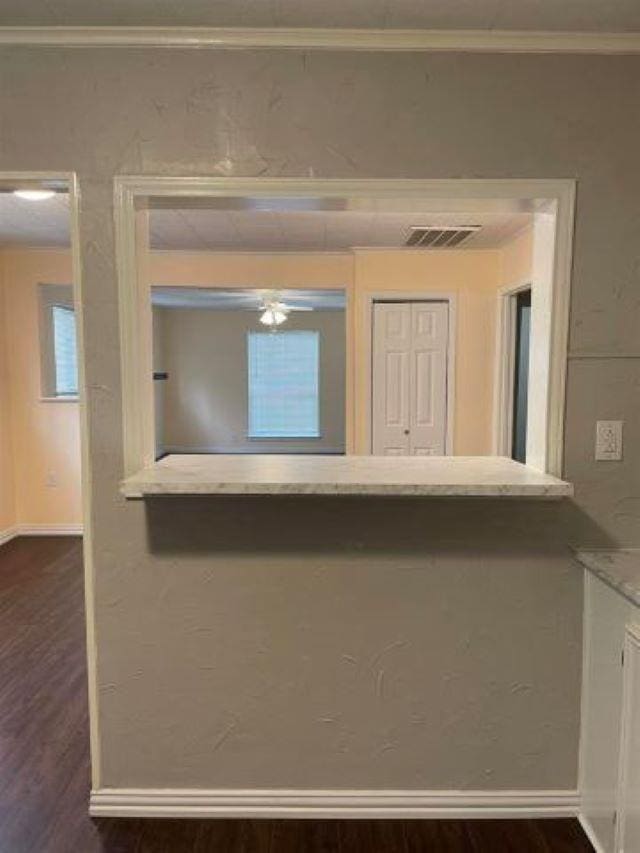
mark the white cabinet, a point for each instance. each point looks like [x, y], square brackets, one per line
[610, 737]
[628, 819]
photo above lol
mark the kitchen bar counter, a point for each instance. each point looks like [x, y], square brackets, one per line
[418, 476]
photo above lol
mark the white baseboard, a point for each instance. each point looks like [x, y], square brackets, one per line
[585, 823]
[8, 534]
[49, 530]
[39, 530]
[273, 803]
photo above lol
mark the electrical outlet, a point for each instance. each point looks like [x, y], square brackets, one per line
[51, 481]
[608, 440]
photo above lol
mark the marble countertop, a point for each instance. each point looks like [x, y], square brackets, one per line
[619, 568]
[470, 476]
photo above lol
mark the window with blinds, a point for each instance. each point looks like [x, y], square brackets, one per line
[64, 351]
[283, 380]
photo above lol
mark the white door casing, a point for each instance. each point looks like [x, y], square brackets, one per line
[410, 355]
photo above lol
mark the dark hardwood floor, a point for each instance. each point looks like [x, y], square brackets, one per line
[44, 759]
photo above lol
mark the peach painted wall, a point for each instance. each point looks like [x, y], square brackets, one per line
[517, 259]
[225, 269]
[7, 494]
[45, 435]
[40, 440]
[473, 276]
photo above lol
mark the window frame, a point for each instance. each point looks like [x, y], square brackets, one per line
[555, 197]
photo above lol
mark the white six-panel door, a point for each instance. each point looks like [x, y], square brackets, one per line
[410, 351]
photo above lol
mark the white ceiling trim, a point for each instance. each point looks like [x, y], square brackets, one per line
[473, 41]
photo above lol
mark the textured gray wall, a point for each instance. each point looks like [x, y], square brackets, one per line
[333, 642]
[205, 398]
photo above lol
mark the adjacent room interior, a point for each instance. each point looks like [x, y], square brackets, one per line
[40, 480]
[370, 327]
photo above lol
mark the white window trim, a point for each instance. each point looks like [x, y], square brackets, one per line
[134, 301]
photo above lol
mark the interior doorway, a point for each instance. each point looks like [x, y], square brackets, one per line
[521, 341]
[410, 354]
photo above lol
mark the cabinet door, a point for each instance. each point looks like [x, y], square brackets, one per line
[628, 835]
[606, 614]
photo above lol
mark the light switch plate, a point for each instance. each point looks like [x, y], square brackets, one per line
[608, 440]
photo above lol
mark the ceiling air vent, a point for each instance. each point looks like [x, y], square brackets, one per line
[439, 236]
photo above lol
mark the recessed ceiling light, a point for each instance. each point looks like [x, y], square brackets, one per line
[34, 195]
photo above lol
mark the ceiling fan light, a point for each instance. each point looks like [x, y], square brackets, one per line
[267, 318]
[34, 195]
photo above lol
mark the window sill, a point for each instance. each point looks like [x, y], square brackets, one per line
[59, 399]
[444, 476]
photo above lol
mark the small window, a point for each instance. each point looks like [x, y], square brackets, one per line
[64, 351]
[283, 384]
[58, 342]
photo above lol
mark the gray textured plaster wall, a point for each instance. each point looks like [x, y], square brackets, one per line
[346, 642]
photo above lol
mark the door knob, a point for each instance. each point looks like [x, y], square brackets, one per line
[406, 432]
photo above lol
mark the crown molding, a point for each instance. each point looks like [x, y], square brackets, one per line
[472, 41]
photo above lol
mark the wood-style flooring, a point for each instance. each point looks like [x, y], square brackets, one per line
[44, 754]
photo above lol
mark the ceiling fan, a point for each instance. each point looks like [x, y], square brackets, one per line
[274, 311]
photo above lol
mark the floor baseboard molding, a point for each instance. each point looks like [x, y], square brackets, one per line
[274, 803]
[585, 823]
[8, 534]
[48, 530]
[39, 530]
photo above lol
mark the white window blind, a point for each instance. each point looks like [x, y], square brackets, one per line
[283, 384]
[64, 351]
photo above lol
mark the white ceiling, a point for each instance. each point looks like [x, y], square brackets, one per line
[30, 223]
[46, 224]
[319, 230]
[551, 15]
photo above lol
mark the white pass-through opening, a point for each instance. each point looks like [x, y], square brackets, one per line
[410, 351]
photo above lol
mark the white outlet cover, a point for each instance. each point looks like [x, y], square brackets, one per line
[608, 440]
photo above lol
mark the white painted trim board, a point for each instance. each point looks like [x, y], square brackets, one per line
[139, 443]
[588, 831]
[8, 534]
[302, 803]
[40, 530]
[309, 38]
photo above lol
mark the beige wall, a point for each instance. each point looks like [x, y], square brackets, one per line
[517, 259]
[237, 650]
[7, 493]
[46, 434]
[205, 396]
[230, 269]
[45, 441]
[472, 277]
